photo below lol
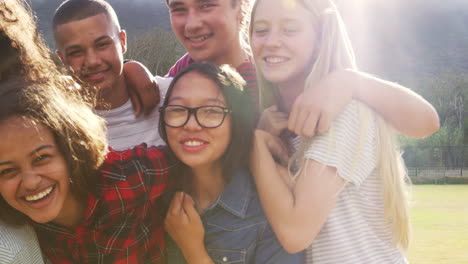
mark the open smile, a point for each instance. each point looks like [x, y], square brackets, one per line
[193, 145]
[197, 41]
[40, 199]
[273, 60]
[96, 76]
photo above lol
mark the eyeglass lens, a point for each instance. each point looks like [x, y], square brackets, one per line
[206, 116]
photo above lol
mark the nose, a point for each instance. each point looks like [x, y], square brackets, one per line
[193, 22]
[192, 123]
[31, 180]
[273, 40]
[92, 59]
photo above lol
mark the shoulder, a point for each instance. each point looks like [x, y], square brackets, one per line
[247, 70]
[350, 145]
[19, 245]
[183, 62]
[121, 164]
[163, 83]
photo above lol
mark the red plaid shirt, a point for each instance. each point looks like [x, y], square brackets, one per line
[246, 70]
[122, 223]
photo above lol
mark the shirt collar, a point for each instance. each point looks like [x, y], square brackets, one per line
[236, 196]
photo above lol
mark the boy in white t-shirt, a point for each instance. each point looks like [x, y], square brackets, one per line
[91, 43]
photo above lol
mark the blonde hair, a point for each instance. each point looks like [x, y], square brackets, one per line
[334, 52]
[246, 7]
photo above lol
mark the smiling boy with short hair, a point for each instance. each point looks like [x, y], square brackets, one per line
[91, 43]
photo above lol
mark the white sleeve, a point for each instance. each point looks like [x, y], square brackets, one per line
[163, 83]
[350, 145]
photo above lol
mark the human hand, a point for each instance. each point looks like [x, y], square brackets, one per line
[266, 143]
[315, 109]
[184, 225]
[143, 89]
[273, 121]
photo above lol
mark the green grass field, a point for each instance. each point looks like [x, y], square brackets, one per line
[439, 217]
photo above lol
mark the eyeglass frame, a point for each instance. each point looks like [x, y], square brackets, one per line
[193, 111]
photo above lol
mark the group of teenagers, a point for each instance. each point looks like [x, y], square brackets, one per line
[263, 144]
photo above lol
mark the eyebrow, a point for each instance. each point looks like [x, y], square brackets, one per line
[175, 4]
[30, 154]
[211, 100]
[179, 3]
[96, 40]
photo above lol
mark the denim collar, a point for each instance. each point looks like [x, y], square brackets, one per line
[236, 196]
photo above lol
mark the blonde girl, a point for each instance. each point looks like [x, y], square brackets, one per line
[342, 195]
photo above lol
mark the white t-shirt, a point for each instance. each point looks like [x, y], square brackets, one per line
[125, 131]
[355, 231]
[19, 245]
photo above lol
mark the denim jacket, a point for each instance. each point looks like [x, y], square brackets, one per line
[236, 229]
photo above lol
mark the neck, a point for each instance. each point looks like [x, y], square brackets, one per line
[112, 97]
[289, 91]
[72, 212]
[208, 184]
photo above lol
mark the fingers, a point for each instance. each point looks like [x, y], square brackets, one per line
[309, 125]
[324, 123]
[278, 150]
[175, 206]
[294, 113]
[303, 118]
[272, 108]
[189, 208]
[273, 121]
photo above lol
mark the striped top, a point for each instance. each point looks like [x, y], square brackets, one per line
[355, 231]
[19, 245]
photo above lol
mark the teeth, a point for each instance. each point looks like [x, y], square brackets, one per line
[94, 74]
[193, 143]
[199, 39]
[274, 60]
[32, 198]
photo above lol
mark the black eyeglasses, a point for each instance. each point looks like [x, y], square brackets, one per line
[207, 116]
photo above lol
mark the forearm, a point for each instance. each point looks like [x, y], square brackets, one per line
[406, 111]
[289, 222]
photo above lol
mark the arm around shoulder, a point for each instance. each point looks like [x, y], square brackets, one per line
[407, 111]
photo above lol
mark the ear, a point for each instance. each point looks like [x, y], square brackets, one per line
[60, 55]
[123, 40]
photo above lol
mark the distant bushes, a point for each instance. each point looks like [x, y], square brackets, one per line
[157, 49]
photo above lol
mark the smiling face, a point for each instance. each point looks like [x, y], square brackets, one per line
[93, 48]
[195, 146]
[208, 29]
[283, 40]
[34, 178]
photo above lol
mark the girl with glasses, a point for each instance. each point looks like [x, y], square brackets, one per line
[207, 121]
